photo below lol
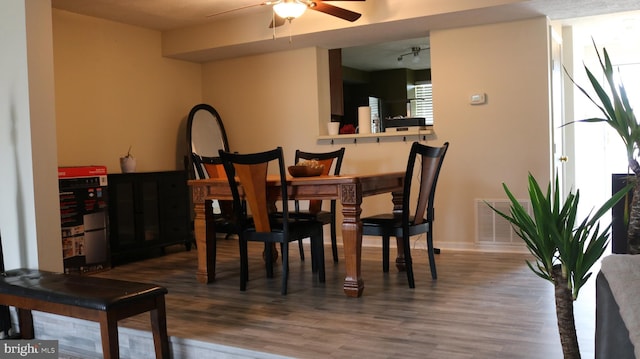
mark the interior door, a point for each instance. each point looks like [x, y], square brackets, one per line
[560, 161]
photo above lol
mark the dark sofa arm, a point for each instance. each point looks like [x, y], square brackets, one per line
[612, 336]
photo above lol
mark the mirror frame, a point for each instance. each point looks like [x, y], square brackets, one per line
[190, 118]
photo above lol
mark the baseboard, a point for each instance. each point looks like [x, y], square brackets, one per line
[419, 242]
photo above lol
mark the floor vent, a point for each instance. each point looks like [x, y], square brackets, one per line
[491, 227]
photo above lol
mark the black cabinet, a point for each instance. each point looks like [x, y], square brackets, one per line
[147, 212]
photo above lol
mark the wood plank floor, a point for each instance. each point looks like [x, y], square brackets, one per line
[483, 305]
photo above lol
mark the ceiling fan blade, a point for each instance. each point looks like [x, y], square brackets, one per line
[336, 11]
[241, 8]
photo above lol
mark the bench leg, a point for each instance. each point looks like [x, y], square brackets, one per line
[25, 320]
[109, 335]
[159, 329]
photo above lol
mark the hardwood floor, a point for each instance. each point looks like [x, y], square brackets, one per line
[483, 305]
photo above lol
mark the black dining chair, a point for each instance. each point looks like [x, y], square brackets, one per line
[412, 220]
[247, 175]
[211, 167]
[329, 160]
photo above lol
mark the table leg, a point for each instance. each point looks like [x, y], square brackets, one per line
[205, 241]
[351, 200]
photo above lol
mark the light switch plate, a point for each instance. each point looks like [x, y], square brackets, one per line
[478, 99]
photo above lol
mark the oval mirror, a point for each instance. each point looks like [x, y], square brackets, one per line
[206, 135]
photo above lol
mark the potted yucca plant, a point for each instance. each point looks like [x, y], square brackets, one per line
[611, 98]
[564, 248]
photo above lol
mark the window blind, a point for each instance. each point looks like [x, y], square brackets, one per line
[424, 103]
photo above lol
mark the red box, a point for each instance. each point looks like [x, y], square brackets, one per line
[84, 218]
[82, 171]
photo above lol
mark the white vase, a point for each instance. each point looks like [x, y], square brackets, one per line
[333, 128]
[127, 164]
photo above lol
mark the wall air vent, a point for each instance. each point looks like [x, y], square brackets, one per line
[491, 228]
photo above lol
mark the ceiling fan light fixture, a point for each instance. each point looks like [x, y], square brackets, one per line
[289, 9]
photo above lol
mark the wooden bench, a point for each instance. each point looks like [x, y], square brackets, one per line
[91, 298]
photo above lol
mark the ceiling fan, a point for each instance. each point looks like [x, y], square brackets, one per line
[291, 9]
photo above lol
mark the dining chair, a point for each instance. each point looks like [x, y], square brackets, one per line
[211, 167]
[412, 220]
[328, 160]
[247, 175]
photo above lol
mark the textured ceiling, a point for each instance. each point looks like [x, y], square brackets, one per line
[173, 14]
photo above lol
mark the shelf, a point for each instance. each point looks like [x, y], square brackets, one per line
[367, 137]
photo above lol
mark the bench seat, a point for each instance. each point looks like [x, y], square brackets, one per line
[85, 297]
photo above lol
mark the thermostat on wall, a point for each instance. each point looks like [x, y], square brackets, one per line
[478, 99]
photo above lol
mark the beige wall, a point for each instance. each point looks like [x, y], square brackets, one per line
[28, 195]
[271, 100]
[268, 100]
[43, 140]
[113, 89]
[502, 140]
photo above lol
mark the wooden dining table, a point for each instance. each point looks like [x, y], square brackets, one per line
[348, 189]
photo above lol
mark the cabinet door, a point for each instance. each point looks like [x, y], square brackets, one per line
[148, 202]
[174, 211]
[134, 211]
[122, 214]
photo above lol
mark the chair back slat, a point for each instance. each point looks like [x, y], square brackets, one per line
[215, 170]
[253, 178]
[208, 167]
[431, 159]
[427, 173]
[329, 157]
[251, 171]
[326, 166]
[328, 160]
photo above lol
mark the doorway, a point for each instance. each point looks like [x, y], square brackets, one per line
[597, 149]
